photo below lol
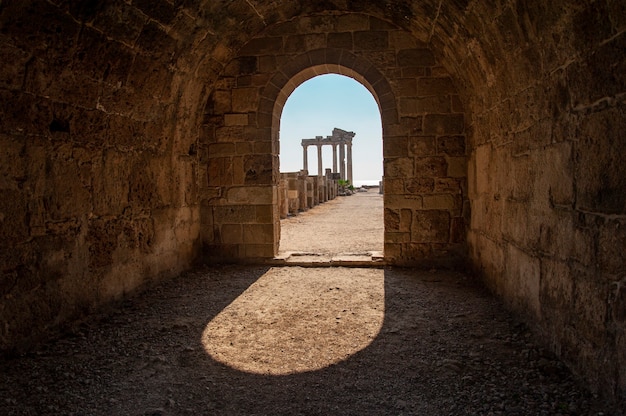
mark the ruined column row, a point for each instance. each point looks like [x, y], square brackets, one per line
[299, 192]
[340, 138]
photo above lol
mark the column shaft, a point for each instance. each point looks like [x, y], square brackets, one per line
[305, 157]
[319, 160]
[342, 161]
[350, 163]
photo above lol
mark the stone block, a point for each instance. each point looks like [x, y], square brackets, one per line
[420, 185]
[120, 21]
[398, 167]
[235, 120]
[457, 167]
[414, 252]
[557, 286]
[220, 101]
[13, 215]
[406, 89]
[243, 148]
[517, 226]
[444, 124]
[395, 147]
[587, 83]
[433, 104]
[263, 46]
[451, 145]
[435, 86]
[590, 308]
[371, 40]
[441, 202]
[448, 185]
[556, 177]
[489, 257]
[403, 201]
[611, 246]
[264, 214]
[392, 219]
[431, 167]
[245, 99]
[394, 186]
[481, 168]
[295, 43]
[599, 168]
[229, 134]
[317, 24]
[397, 237]
[267, 63]
[258, 169]
[534, 137]
[12, 167]
[421, 146]
[399, 40]
[431, 226]
[522, 280]
[416, 57]
[406, 219]
[458, 230]
[260, 251]
[314, 41]
[221, 149]
[13, 69]
[353, 22]
[393, 251]
[253, 195]
[220, 171]
[153, 39]
[258, 233]
[425, 105]
[160, 10]
[231, 234]
[234, 214]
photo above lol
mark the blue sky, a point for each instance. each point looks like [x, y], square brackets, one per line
[321, 104]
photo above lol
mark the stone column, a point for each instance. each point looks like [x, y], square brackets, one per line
[334, 157]
[305, 158]
[342, 160]
[349, 144]
[319, 160]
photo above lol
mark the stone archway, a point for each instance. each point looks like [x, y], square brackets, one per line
[423, 136]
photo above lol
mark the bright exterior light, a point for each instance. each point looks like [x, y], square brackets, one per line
[304, 324]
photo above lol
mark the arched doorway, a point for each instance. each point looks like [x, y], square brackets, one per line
[348, 225]
[425, 174]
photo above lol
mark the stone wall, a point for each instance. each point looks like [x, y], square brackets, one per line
[547, 179]
[139, 136]
[98, 186]
[423, 122]
[298, 186]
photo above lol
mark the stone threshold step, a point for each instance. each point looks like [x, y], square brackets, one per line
[303, 259]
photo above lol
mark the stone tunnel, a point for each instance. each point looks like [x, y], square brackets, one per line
[140, 138]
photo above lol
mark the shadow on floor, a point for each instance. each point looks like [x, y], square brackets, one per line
[445, 347]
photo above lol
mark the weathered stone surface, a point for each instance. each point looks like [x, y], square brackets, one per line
[120, 120]
[431, 226]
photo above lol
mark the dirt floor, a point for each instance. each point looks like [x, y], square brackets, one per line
[352, 224]
[255, 340]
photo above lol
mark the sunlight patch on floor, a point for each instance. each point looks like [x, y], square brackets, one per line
[293, 320]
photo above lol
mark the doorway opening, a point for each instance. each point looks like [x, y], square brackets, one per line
[331, 133]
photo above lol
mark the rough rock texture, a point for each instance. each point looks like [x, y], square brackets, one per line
[423, 133]
[133, 132]
[235, 340]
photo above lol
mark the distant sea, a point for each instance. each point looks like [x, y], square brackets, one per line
[357, 183]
